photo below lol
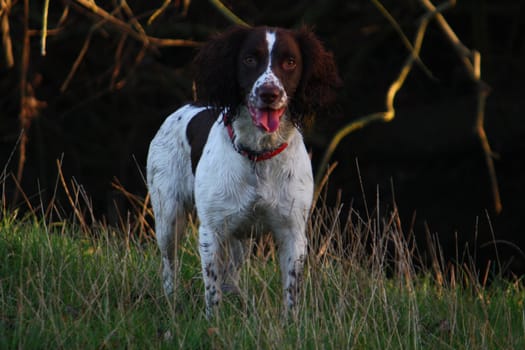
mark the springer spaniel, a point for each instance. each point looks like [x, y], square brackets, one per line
[238, 155]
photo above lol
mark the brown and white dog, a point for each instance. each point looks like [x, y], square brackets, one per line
[238, 155]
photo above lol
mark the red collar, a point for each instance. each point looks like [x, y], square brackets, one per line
[253, 155]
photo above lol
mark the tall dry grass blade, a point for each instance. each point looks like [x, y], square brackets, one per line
[322, 184]
[72, 202]
[435, 263]
[362, 187]
[3, 175]
[86, 198]
[329, 236]
[21, 192]
[141, 209]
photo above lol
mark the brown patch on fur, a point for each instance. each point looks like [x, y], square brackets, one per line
[197, 133]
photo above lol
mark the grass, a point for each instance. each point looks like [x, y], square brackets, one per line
[61, 287]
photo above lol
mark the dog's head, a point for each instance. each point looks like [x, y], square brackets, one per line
[270, 71]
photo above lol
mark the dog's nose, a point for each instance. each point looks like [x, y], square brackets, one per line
[269, 93]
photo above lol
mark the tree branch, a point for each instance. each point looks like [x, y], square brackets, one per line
[396, 85]
[472, 62]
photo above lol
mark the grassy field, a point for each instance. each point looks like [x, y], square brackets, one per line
[61, 288]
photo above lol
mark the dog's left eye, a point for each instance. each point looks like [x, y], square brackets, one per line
[289, 64]
[250, 61]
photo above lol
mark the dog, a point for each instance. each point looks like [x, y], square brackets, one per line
[237, 155]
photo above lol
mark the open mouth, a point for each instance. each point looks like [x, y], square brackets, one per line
[267, 119]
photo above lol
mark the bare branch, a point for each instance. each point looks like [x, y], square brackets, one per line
[132, 17]
[463, 52]
[125, 28]
[472, 62]
[389, 114]
[138, 33]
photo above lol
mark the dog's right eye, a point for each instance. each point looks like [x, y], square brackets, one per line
[250, 61]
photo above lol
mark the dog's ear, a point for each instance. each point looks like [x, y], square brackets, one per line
[215, 67]
[319, 80]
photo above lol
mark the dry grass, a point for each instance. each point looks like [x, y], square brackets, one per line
[74, 283]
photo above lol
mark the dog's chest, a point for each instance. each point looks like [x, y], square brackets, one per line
[267, 184]
[258, 200]
[242, 195]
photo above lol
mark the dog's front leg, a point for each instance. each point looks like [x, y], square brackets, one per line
[292, 255]
[209, 250]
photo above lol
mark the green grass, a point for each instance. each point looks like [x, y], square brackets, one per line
[61, 288]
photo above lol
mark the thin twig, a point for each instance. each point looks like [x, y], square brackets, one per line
[132, 18]
[6, 37]
[402, 35]
[483, 92]
[158, 11]
[23, 117]
[80, 57]
[44, 28]
[118, 61]
[228, 13]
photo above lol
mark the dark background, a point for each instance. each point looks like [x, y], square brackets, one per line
[101, 124]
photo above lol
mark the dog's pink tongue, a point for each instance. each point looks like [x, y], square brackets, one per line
[268, 119]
